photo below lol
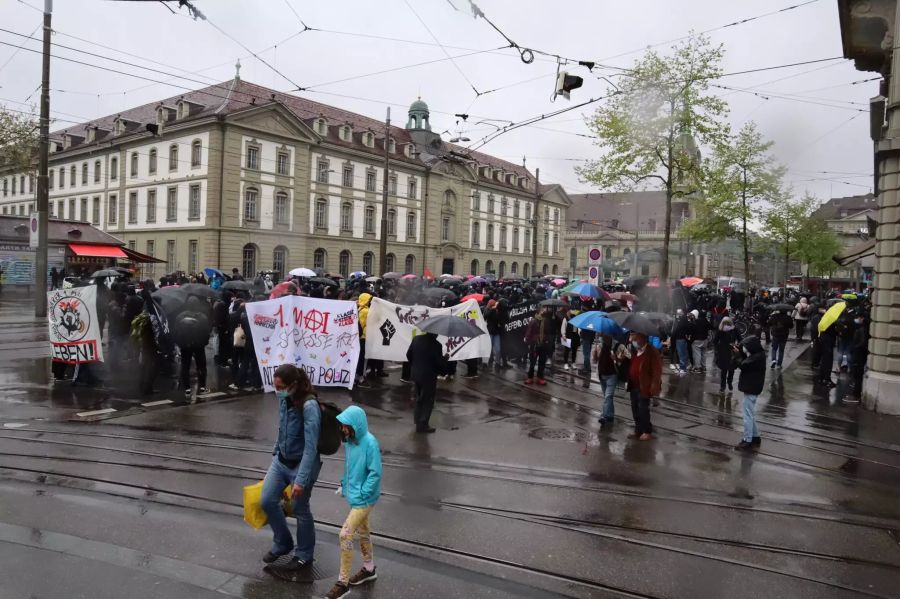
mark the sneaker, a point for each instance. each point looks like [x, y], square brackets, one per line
[293, 571]
[565, 366]
[270, 557]
[756, 441]
[645, 437]
[529, 381]
[673, 367]
[743, 446]
[363, 576]
[362, 383]
[850, 399]
[541, 382]
[202, 390]
[233, 387]
[773, 365]
[338, 590]
[402, 380]
[187, 392]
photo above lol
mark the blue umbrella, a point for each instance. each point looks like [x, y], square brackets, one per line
[597, 322]
[586, 290]
[358, 275]
[211, 272]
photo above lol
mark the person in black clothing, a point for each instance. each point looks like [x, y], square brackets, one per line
[681, 298]
[751, 383]
[780, 324]
[814, 335]
[725, 343]
[236, 275]
[699, 328]
[426, 360]
[492, 320]
[859, 353]
[54, 278]
[827, 340]
[223, 332]
[191, 331]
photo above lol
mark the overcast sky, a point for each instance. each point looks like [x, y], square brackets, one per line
[821, 130]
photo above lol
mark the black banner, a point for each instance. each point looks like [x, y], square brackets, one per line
[513, 337]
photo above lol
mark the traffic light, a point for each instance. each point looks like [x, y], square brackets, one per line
[565, 83]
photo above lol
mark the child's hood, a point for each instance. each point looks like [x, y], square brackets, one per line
[355, 417]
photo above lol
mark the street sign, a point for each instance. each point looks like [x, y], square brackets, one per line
[594, 255]
[33, 240]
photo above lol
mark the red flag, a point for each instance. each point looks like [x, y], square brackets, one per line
[428, 274]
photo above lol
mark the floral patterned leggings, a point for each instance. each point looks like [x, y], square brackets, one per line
[356, 525]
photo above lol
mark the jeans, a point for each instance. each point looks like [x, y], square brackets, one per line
[681, 345]
[640, 411]
[778, 350]
[843, 353]
[277, 478]
[699, 348]
[750, 429]
[496, 350]
[608, 386]
[587, 342]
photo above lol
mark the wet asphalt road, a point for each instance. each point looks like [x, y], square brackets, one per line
[518, 494]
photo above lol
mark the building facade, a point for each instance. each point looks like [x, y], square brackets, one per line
[238, 175]
[849, 218]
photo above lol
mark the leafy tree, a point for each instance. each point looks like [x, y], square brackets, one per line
[786, 222]
[18, 139]
[647, 129]
[740, 177]
[816, 246]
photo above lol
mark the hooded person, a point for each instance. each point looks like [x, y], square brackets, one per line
[426, 362]
[725, 344]
[753, 378]
[191, 332]
[540, 336]
[362, 308]
[802, 312]
[699, 336]
[361, 487]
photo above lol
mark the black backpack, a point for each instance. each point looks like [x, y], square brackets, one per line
[330, 436]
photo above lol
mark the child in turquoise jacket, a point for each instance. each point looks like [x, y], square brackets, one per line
[361, 486]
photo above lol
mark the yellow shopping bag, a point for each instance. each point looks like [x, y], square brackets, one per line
[253, 512]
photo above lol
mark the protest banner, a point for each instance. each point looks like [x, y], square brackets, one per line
[391, 327]
[513, 338]
[74, 326]
[318, 335]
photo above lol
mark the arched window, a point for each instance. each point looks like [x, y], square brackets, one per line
[607, 254]
[476, 234]
[320, 258]
[344, 263]
[196, 152]
[473, 268]
[410, 264]
[113, 168]
[555, 270]
[173, 158]
[72, 171]
[251, 196]
[389, 261]
[525, 269]
[573, 259]
[368, 264]
[449, 199]
[279, 260]
[96, 171]
[488, 266]
[346, 217]
[502, 270]
[546, 269]
[392, 223]
[514, 268]
[490, 237]
[321, 215]
[249, 260]
[84, 175]
[151, 166]
[626, 252]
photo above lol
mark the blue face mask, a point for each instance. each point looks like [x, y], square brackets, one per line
[283, 394]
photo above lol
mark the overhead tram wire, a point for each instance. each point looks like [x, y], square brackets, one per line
[16, 51]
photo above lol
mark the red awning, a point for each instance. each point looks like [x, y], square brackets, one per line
[97, 251]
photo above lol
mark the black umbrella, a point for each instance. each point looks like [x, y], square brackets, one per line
[449, 326]
[635, 322]
[322, 281]
[553, 303]
[106, 272]
[237, 285]
[439, 292]
[392, 275]
[784, 307]
[659, 318]
[172, 299]
[200, 290]
[636, 281]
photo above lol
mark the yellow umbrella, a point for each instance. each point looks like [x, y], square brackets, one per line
[831, 315]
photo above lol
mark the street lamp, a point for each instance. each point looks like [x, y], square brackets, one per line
[459, 139]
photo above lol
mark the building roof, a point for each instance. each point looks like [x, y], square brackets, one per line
[59, 231]
[592, 211]
[237, 95]
[846, 206]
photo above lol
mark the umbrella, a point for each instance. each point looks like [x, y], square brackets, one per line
[302, 272]
[691, 281]
[572, 284]
[214, 272]
[449, 326]
[831, 315]
[849, 296]
[373, 279]
[409, 277]
[597, 322]
[559, 282]
[553, 303]
[478, 297]
[513, 277]
[106, 272]
[282, 289]
[636, 281]
[636, 323]
[660, 319]
[200, 290]
[439, 292]
[623, 297]
[781, 307]
[359, 274]
[322, 281]
[586, 290]
[171, 298]
[392, 275]
[701, 287]
[478, 281]
[448, 275]
[237, 285]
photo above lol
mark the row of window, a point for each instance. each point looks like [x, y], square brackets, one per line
[282, 160]
[489, 242]
[321, 219]
[504, 207]
[151, 205]
[347, 178]
[21, 185]
[252, 206]
[475, 268]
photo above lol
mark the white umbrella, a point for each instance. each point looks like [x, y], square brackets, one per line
[302, 272]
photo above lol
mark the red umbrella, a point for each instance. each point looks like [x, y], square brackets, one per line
[623, 297]
[478, 297]
[691, 281]
[282, 289]
[409, 277]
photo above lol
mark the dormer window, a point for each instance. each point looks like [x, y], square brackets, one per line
[321, 127]
[484, 171]
[392, 146]
[346, 133]
[408, 150]
[511, 179]
[369, 139]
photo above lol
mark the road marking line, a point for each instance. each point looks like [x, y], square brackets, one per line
[14, 424]
[216, 394]
[96, 412]
[161, 402]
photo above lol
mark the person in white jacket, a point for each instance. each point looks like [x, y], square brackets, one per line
[801, 316]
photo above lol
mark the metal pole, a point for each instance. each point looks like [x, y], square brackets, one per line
[382, 249]
[40, 273]
[534, 224]
[637, 228]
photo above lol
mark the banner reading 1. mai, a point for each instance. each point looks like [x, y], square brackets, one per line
[318, 335]
[74, 326]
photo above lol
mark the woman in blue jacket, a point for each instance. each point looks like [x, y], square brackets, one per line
[361, 486]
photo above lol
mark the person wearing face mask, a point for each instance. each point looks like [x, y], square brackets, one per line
[295, 462]
[753, 378]
[644, 382]
[361, 487]
[725, 341]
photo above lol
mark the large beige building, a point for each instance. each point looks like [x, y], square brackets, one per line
[239, 175]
